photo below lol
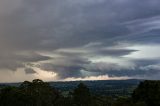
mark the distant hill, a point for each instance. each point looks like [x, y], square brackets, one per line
[100, 87]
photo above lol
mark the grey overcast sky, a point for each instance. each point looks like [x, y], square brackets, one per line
[79, 39]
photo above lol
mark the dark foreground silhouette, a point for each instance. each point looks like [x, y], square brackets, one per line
[39, 93]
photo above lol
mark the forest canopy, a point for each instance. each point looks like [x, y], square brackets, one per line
[39, 93]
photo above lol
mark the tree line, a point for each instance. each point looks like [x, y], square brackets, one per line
[39, 93]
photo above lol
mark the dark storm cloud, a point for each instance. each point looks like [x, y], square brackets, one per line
[29, 71]
[95, 51]
[13, 61]
[140, 68]
[46, 25]
[76, 69]
[131, 73]
[33, 26]
[64, 71]
[67, 66]
[115, 52]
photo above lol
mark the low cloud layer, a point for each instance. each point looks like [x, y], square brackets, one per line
[80, 38]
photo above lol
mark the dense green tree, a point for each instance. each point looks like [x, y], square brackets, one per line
[12, 96]
[82, 96]
[39, 93]
[102, 100]
[123, 101]
[148, 93]
[35, 93]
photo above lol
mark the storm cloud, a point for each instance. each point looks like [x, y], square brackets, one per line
[81, 38]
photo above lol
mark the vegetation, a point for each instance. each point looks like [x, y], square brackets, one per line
[112, 88]
[39, 93]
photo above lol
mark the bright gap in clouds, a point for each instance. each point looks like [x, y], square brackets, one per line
[45, 75]
[145, 52]
[20, 76]
[101, 77]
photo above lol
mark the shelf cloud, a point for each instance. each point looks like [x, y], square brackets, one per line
[80, 38]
